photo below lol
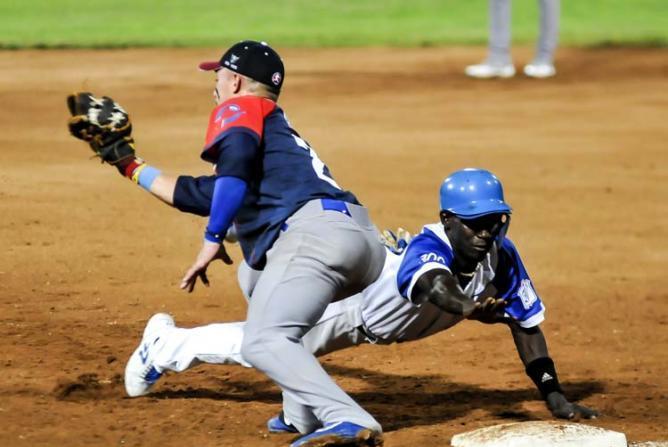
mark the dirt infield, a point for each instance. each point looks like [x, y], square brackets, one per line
[87, 257]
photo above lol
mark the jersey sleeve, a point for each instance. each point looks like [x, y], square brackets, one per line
[193, 194]
[245, 114]
[228, 195]
[238, 156]
[514, 285]
[425, 252]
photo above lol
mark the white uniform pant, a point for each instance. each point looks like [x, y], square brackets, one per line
[220, 343]
[500, 36]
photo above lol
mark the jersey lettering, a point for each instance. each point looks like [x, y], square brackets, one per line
[513, 284]
[527, 294]
[318, 166]
[426, 251]
[432, 257]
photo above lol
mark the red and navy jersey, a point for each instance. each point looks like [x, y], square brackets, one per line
[250, 138]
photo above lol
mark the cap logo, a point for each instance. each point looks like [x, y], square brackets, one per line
[232, 62]
[276, 78]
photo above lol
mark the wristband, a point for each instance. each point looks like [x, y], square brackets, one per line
[212, 237]
[128, 168]
[146, 175]
[136, 171]
[544, 375]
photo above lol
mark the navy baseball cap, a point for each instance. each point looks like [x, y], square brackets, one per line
[257, 60]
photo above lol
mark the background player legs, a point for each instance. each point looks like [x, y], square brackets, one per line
[549, 31]
[319, 258]
[499, 32]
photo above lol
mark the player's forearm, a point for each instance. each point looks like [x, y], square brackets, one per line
[186, 193]
[163, 188]
[530, 343]
[228, 196]
[451, 304]
[441, 289]
[532, 348]
[149, 178]
[540, 368]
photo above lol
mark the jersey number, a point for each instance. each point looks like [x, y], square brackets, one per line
[318, 165]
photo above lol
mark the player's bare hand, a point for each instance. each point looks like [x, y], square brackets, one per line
[489, 311]
[563, 409]
[209, 252]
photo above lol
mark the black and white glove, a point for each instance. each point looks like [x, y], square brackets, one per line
[103, 124]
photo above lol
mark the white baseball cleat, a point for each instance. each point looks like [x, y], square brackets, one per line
[140, 373]
[539, 70]
[486, 70]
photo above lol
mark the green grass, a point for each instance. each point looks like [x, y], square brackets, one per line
[313, 23]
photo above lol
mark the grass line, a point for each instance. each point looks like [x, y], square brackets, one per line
[315, 23]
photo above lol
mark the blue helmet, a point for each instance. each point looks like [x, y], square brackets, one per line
[471, 193]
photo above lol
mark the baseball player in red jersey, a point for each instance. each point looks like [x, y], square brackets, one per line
[312, 241]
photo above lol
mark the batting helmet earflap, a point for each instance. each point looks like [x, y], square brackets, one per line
[471, 193]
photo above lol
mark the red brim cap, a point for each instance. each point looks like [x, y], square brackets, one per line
[208, 66]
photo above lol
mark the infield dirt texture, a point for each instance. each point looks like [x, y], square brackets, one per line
[87, 256]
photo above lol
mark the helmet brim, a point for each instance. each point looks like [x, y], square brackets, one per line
[479, 208]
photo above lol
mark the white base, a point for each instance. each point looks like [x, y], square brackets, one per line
[540, 433]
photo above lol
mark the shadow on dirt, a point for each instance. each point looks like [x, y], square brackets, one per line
[431, 399]
[400, 401]
[88, 387]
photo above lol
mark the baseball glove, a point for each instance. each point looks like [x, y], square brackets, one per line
[103, 124]
[395, 242]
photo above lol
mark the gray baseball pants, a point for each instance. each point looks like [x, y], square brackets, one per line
[322, 256]
[499, 31]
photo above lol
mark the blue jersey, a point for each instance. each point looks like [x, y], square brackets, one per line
[250, 138]
[501, 274]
